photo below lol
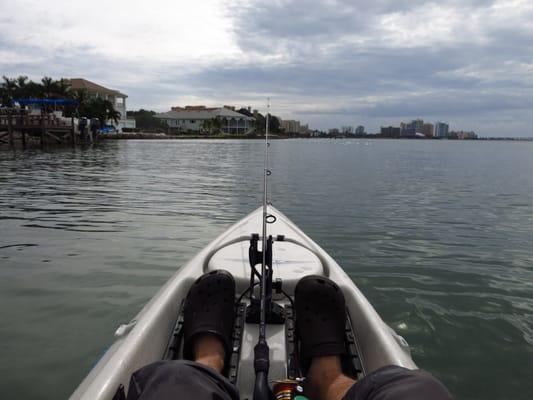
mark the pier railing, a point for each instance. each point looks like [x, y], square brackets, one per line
[17, 124]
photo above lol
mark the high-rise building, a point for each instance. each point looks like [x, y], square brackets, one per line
[390, 131]
[290, 126]
[428, 130]
[417, 125]
[347, 130]
[441, 129]
[412, 128]
[360, 130]
[305, 129]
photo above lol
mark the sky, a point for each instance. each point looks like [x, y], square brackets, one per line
[329, 63]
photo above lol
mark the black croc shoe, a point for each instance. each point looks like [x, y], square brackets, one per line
[320, 318]
[210, 308]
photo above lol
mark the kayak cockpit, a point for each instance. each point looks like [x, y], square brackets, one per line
[153, 334]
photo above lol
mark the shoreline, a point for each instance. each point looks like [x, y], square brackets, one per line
[144, 136]
[32, 142]
[141, 135]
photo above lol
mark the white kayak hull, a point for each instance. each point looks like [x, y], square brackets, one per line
[145, 339]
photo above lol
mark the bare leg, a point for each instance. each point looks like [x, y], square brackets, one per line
[208, 350]
[325, 380]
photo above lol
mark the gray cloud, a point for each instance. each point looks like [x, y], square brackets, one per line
[332, 63]
[339, 53]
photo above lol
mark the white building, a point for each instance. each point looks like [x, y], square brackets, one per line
[117, 98]
[203, 119]
[290, 126]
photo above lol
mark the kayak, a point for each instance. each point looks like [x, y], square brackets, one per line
[155, 333]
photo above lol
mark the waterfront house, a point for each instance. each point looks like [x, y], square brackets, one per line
[114, 96]
[204, 119]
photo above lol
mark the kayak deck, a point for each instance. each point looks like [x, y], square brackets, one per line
[145, 339]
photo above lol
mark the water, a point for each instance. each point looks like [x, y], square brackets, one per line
[436, 234]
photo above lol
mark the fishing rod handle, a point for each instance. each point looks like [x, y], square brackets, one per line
[261, 367]
[261, 388]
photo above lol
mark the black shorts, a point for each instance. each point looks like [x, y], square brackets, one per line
[171, 380]
[397, 383]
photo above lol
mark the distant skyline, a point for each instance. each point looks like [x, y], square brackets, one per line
[327, 63]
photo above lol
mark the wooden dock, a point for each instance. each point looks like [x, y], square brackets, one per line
[18, 126]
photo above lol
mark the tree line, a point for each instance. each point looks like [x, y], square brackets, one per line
[12, 89]
[21, 87]
[260, 121]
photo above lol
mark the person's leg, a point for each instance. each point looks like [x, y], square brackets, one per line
[207, 343]
[325, 380]
[209, 351]
[397, 383]
[180, 379]
[320, 321]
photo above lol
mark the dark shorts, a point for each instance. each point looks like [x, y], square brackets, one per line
[397, 383]
[172, 380]
[180, 379]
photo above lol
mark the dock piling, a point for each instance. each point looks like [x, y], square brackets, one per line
[43, 128]
[73, 131]
[10, 128]
[24, 123]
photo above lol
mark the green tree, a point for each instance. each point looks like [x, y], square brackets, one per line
[245, 111]
[8, 91]
[111, 113]
[260, 122]
[34, 90]
[80, 95]
[48, 86]
[99, 108]
[273, 124]
[217, 125]
[23, 86]
[207, 125]
[145, 119]
[62, 89]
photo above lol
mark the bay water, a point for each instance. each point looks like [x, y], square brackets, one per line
[437, 234]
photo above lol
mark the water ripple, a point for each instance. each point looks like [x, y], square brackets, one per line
[436, 234]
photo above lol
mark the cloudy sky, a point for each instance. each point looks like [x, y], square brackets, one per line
[329, 63]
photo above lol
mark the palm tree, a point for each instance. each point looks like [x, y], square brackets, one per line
[34, 89]
[8, 90]
[22, 86]
[62, 88]
[48, 86]
[111, 113]
[80, 95]
[208, 125]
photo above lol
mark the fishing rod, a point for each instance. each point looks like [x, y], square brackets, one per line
[261, 349]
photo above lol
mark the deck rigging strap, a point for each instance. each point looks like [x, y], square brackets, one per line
[261, 350]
